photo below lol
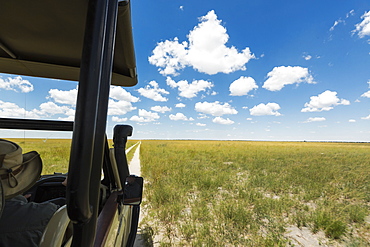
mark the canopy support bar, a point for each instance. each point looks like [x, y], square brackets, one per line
[90, 121]
[6, 49]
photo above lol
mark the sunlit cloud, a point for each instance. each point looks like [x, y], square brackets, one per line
[366, 94]
[215, 108]
[286, 75]
[307, 57]
[363, 28]
[269, 109]
[336, 24]
[68, 97]
[180, 105]
[52, 108]
[201, 124]
[189, 90]
[161, 109]
[242, 86]
[180, 116]
[205, 51]
[324, 102]
[119, 107]
[118, 93]
[119, 120]
[145, 116]
[220, 120]
[315, 119]
[16, 84]
[8, 109]
[152, 91]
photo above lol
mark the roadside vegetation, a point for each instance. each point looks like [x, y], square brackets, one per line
[235, 193]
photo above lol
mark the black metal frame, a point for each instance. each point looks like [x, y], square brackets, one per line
[89, 139]
[89, 126]
[32, 124]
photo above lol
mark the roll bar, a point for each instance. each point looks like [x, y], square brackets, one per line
[107, 58]
[89, 127]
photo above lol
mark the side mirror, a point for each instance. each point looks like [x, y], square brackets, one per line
[133, 190]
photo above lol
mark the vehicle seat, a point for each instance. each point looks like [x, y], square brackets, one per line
[55, 231]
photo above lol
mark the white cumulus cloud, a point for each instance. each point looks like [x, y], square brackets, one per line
[8, 109]
[189, 90]
[285, 75]
[16, 84]
[205, 51]
[366, 94]
[315, 119]
[220, 120]
[152, 91]
[265, 109]
[363, 28]
[200, 124]
[161, 109]
[64, 97]
[180, 105]
[242, 86]
[119, 107]
[52, 108]
[117, 119]
[145, 116]
[118, 93]
[180, 116]
[324, 102]
[120, 102]
[215, 108]
[70, 115]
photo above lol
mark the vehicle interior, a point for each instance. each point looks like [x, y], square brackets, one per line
[89, 41]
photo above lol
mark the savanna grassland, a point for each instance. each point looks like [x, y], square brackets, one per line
[53, 152]
[236, 193]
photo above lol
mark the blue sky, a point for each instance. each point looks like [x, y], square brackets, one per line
[237, 70]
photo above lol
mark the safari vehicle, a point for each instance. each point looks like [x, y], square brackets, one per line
[89, 41]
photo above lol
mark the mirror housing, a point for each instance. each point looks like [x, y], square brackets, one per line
[133, 190]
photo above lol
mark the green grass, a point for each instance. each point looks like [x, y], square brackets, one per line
[53, 152]
[221, 193]
[234, 193]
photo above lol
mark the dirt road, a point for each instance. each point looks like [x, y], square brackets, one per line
[135, 169]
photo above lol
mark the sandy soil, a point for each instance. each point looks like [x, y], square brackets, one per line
[134, 165]
[135, 169]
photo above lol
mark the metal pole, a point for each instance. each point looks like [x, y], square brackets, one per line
[87, 131]
[100, 138]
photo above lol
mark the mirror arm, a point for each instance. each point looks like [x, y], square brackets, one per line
[120, 134]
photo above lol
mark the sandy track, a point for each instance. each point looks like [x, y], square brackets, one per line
[134, 165]
[135, 169]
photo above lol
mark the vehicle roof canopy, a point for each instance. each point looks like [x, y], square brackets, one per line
[45, 38]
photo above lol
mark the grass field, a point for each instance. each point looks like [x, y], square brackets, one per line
[234, 193]
[54, 152]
